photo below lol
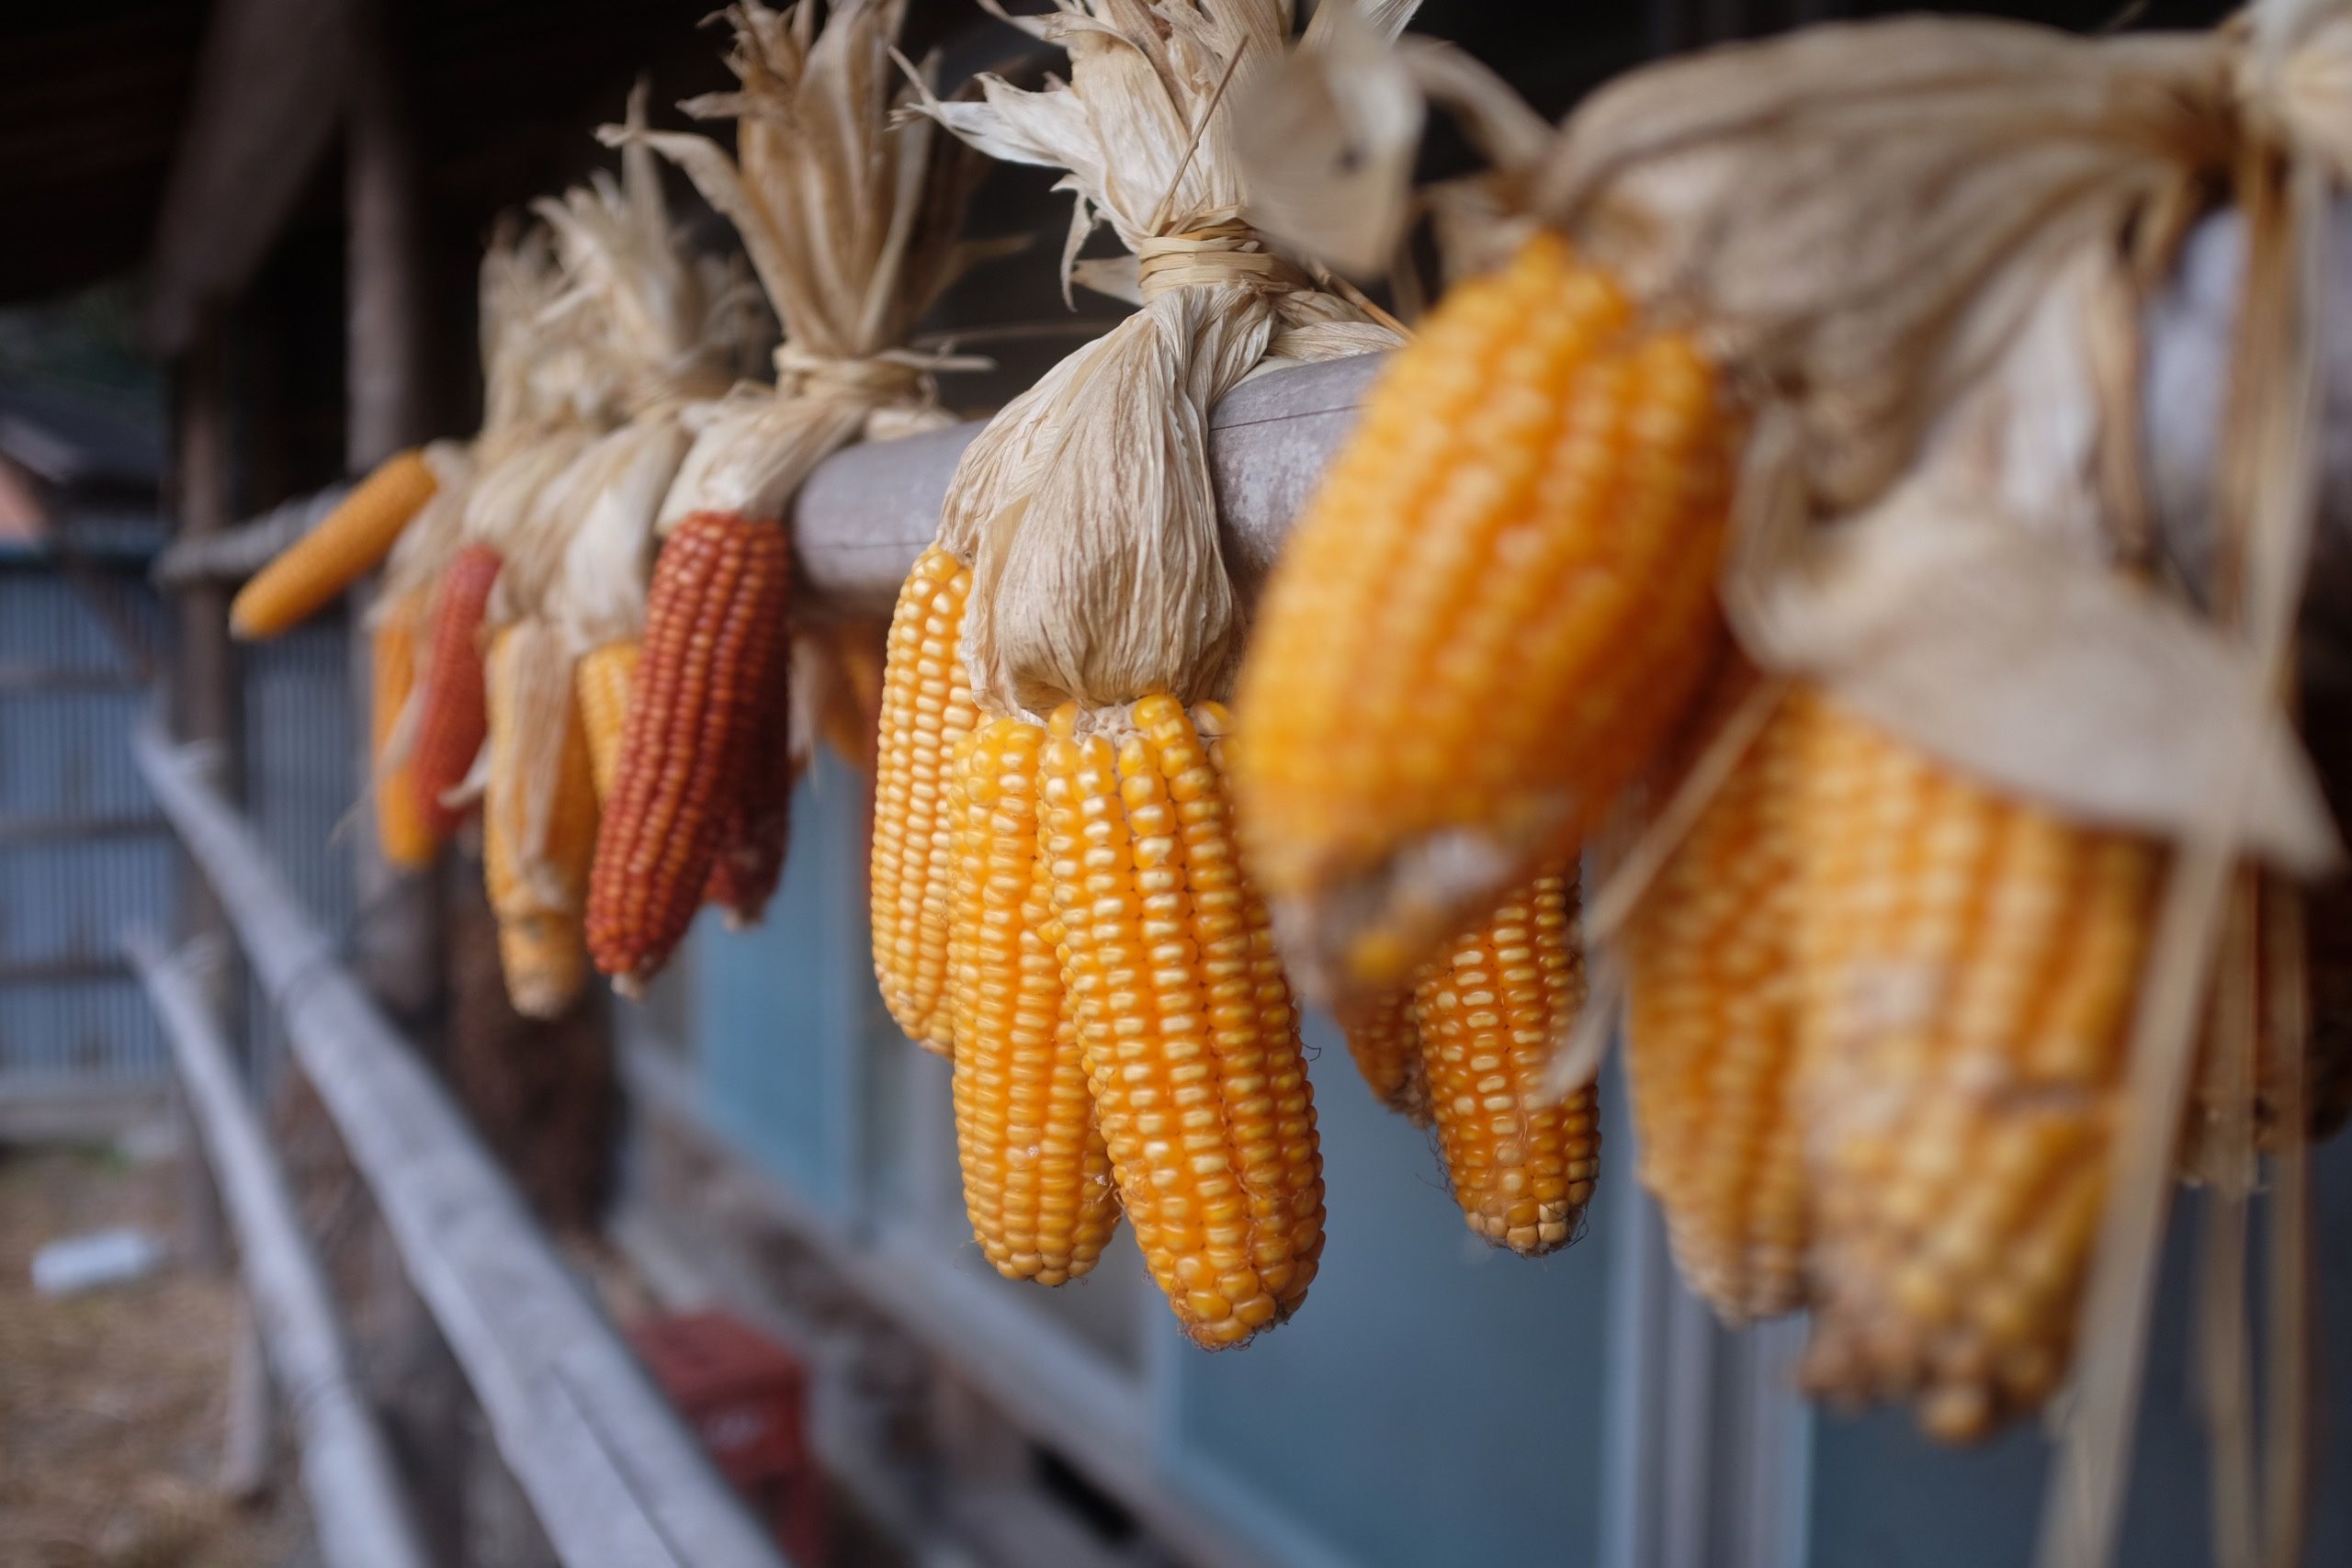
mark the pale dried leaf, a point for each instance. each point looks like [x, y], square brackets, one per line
[1942, 621]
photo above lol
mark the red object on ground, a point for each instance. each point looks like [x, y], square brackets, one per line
[746, 1397]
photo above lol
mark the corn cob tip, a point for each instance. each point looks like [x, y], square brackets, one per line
[629, 988]
[1367, 934]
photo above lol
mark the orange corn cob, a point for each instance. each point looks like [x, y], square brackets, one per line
[1036, 1175]
[1191, 1044]
[1386, 1040]
[1711, 1038]
[926, 708]
[852, 707]
[1491, 614]
[1492, 1008]
[713, 619]
[451, 720]
[536, 871]
[405, 839]
[353, 539]
[603, 678]
[1967, 967]
[757, 826]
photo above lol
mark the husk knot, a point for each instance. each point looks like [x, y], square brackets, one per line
[1217, 249]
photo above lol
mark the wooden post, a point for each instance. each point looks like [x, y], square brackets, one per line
[400, 937]
[207, 713]
[386, 395]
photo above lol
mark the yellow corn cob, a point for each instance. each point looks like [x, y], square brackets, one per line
[1191, 1044]
[1036, 1175]
[926, 708]
[604, 679]
[1492, 1008]
[536, 870]
[1966, 968]
[1490, 616]
[353, 539]
[1711, 1038]
[407, 841]
[1386, 1040]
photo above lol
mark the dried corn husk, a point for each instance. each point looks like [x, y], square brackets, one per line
[850, 212]
[852, 223]
[1085, 508]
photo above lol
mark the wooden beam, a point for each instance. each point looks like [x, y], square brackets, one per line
[355, 1502]
[616, 1477]
[270, 81]
[868, 511]
[234, 554]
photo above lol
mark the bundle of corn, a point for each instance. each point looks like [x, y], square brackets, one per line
[851, 223]
[671, 330]
[1078, 578]
[1464, 1045]
[1953, 906]
[542, 384]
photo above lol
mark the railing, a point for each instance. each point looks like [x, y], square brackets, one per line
[614, 1476]
[360, 1514]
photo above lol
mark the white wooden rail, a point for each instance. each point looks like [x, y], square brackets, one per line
[357, 1504]
[614, 1476]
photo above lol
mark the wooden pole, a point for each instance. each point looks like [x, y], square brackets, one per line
[356, 1503]
[400, 938]
[385, 386]
[205, 710]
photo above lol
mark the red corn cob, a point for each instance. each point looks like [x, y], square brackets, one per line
[714, 624]
[452, 719]
[755, 829]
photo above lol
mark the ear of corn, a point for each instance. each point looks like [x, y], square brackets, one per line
[407, 842]
[1490, 616]
[1492, 1007]
[1191, 1044]
[353, 538]
[603, 676]
[1036, 1174]
[713, 619]
[451, 720]
[1967, 967]
[1384, 1039]
[756, 828]
[926, 709]
[536, 856]
[849, 716]
[1712, 1036]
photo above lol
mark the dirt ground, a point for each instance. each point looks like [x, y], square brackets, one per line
[111, 1403]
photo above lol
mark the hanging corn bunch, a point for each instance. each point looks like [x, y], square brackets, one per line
[851, 223]
[540, 383]
[671, 330]
[1914, 954]
[1078, 580]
